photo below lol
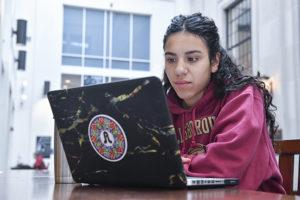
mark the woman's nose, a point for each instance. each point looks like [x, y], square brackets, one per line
[181, 68]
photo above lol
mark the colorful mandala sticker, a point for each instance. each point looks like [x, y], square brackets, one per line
[107, 138]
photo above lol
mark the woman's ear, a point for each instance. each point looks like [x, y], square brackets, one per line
[215, 63]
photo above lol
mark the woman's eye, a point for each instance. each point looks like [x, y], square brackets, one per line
[171, 60]
[192, 59]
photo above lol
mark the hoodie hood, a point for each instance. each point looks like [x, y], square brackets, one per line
[183, 114]
[175, 104]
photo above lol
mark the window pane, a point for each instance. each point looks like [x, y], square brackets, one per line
[94, 32]
[67, 60]
[92, 80]
[116, 64]
[93, 62]
[108, 25]
[141, 37]
[120, 35]
[70, 81]
[141, 66]
[114, 79]
[72, 33]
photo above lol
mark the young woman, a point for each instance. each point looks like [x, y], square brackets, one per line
[222, 118]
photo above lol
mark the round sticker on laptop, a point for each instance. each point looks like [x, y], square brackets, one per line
[107, 138]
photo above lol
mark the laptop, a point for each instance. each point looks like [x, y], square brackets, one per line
[121, 133]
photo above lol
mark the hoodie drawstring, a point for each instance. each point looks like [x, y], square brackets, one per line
[194, 144]
[183, 133]
[193, 131]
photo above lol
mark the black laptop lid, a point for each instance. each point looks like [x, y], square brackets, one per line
[119, 133]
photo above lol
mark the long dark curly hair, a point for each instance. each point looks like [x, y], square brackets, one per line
[229, 77]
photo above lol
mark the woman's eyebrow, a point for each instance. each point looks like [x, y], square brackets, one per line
[191, 52]
[170, 53]
[186, 53]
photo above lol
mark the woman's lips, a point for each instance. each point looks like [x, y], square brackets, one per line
[182, 84]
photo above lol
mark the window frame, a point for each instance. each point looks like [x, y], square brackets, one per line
[230, 36]
[107, 57]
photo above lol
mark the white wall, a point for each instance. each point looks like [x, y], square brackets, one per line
[4, 100]
[275, 37]
[19, 138]
[7, 78]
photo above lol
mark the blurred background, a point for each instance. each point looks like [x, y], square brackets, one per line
[53, 44]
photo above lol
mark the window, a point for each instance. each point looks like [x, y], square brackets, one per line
[239, 34]
[92, 80]
[72, 81]
[105, 39]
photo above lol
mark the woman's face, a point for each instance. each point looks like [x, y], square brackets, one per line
[188, 67]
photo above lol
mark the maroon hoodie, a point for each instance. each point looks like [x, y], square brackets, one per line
[228, 137]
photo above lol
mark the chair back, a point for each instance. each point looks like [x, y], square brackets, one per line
[286, 150]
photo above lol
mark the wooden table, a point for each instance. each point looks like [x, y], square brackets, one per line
[33, 184]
